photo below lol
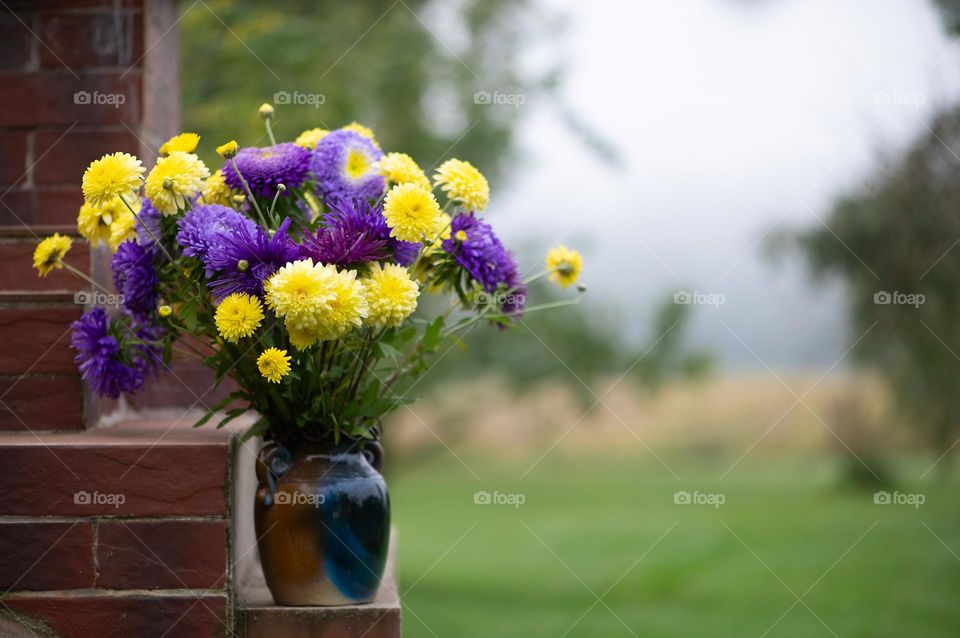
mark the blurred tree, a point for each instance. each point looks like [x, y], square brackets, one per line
[905, 226]
[373, 61]
[899, 234]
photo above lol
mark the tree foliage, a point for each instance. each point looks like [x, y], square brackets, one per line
[899, 234]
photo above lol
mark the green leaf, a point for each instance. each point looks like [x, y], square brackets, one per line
[431, 336]
[231, 415]
[216, 408]
[259, 427]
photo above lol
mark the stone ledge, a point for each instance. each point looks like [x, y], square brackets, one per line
[258, 617]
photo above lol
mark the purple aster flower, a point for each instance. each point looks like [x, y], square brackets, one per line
[264, 168]
[245, 258]
[345, 165]
[150, 217]
[483, 255]
[205, 226]
[101, 357]
[135, 278]
[354, 232]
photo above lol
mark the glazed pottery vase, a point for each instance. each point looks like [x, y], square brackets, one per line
[322, 517]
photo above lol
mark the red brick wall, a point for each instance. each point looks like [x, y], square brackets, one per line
[120, 531]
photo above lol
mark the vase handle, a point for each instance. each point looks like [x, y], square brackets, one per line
[373, 452]
[273, 462]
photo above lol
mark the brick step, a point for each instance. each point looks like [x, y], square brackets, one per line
[39, 206]
[18, 274]
[82, 615]
[41, 403]
[36, 328]
[139, 468]
[31, 233]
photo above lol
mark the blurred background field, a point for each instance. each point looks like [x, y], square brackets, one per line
[795, 163]
[605, 525]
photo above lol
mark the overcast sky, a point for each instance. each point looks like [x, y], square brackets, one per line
[733, 119]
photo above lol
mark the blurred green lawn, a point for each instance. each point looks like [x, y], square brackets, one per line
[495, 570]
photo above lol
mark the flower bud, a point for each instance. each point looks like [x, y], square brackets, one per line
[243, 265]
[165, 311]
[228, 150]
[266, 111]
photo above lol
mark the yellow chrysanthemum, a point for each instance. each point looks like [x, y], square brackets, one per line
[239, 315]
[49, 252]
[463, 183]
[124, 228]
[412, 212]
[316, 301]
[391, 295]
[347, 307]
[228, 150]
[310, 137]
[186, 142]
[400, 168]
[300, 339]
[299, 292]
[564, 265]
[215, 190]
[365, 131]
[93, 222]
[113, 175]
[274, 364]
[175, 179]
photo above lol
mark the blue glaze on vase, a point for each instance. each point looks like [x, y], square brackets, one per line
[323, 523]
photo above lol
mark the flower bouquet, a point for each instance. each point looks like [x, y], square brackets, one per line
[295, 269]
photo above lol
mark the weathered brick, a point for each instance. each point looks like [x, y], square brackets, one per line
[162, 554]
[16, 42]
[115, 471]
[83, 616]
[38, 339]
[41, 403]
[41, 206]
[44, 556]
[61, 98]
[91, 39]
[13, 158]
[184, 383]
[18, 272]
[62, 158]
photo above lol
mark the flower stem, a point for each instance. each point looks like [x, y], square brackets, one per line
[273, 140]
[82, 275]
[155, 239]
[246, 187]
